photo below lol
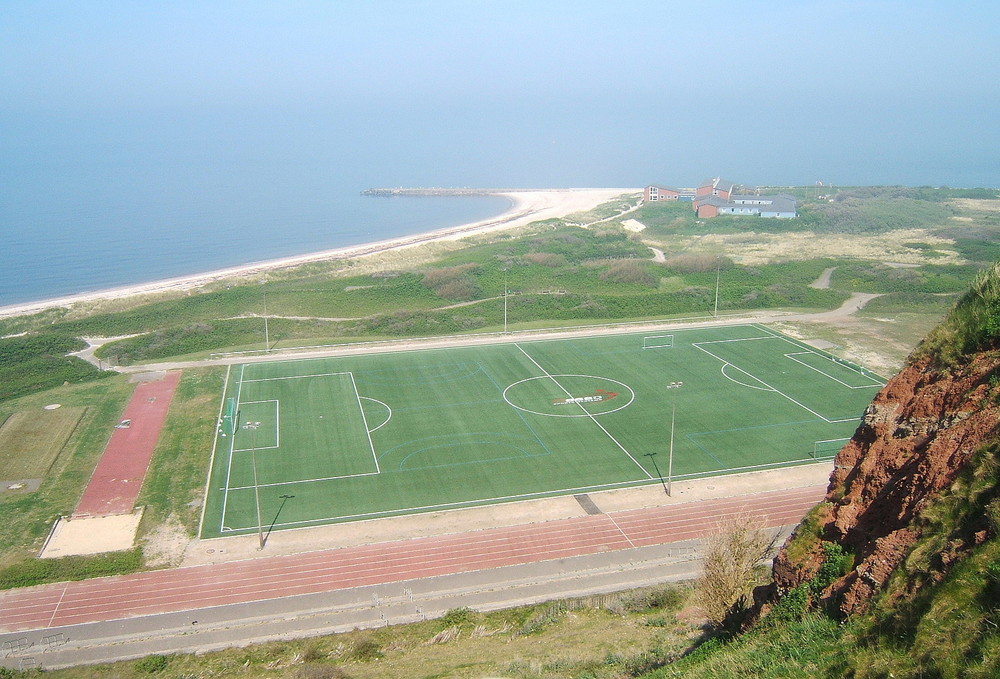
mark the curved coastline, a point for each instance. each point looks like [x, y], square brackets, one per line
[527, 206]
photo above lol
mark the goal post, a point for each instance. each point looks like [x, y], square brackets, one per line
[828, 448]
[230, 418]
[657, 341]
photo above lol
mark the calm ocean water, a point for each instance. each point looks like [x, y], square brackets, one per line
[68, 231]
[114, 196]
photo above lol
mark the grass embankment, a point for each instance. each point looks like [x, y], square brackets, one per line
[560, 276]
[600, 637]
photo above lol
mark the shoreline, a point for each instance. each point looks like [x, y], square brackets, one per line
[527, 205]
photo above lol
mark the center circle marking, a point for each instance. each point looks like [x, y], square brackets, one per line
[631, 395]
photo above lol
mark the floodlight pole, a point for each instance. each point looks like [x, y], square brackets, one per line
[252, 426]
[673, 413]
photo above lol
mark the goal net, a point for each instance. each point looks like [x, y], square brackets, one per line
[657, 341]
[229, 418]
[828, 448]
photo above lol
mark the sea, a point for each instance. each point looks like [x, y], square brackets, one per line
[112, 197]
[69, 230]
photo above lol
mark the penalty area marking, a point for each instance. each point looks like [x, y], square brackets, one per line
[582, 414]
[384, 405]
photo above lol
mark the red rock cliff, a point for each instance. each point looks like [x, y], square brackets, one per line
[920, 430]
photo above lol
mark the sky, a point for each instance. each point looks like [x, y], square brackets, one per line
[539, 93]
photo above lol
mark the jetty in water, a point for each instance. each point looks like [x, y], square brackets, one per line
[438, 192]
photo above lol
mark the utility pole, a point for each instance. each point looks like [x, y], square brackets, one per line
[267, 341]
[505, 291]
[718, 270]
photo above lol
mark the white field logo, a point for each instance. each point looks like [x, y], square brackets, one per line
[596, 397]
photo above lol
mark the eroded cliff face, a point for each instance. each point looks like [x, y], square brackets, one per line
[922, 427]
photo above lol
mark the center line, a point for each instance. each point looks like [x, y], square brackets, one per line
[586, 412]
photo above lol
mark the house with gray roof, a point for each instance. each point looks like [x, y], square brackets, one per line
[716, 197]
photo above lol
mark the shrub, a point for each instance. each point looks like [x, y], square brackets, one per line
[365, 650]
[733, 565]
[456, 616]
[546, 259]
[692, 263]
[151, 664]
[631, 272]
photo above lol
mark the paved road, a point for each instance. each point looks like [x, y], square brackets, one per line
[206, 607]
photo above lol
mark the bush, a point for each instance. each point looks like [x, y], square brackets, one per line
[365, 650]
[631, 272]
[546, 259]
[151, 664]
[733, 566]
[692, 263]
[457, 616]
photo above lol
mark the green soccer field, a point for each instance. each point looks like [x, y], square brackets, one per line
[340, 439]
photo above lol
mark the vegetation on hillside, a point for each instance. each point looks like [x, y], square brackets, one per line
[973, 325]
[37, 361]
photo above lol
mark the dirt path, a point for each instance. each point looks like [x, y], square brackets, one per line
[93, 344]
[823, 282]
[856, 302]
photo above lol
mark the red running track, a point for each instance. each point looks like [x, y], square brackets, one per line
[118, 477]
[183, 589]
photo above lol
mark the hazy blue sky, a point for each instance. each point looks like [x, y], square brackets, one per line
[515, 93]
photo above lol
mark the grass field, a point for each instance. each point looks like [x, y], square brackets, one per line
[30, 441]
[340, 439]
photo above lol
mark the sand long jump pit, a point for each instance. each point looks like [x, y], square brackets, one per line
[85, 535]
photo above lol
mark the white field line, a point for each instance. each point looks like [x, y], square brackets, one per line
[588, 413]
[738, 339]
[806, 349]
[777, 391]
[384, 405]
[296, 481]
[364, 420]
[297, 377]
[277, 426]
[232, 443]
[215, 445]
[825, 374]
[743, 384]
[371, 445]
[522, 496]
[459, 504]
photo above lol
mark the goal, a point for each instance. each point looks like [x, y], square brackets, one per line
[657, 341]
[828, 448]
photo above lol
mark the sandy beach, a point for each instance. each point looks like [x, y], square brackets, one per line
[527, 206]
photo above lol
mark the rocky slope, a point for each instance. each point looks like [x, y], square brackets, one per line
[916, 437]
